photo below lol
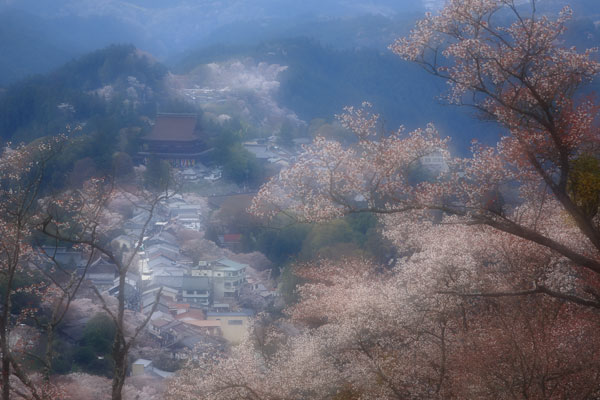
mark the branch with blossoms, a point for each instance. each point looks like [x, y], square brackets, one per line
[538, 289]
[59, 295]
[23, 169]
[520, 77]
[81, 218]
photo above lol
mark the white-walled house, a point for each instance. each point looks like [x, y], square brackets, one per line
[226, 277]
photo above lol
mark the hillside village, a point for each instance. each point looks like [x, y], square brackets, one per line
[284, 200]
[195, 306]
[200, 303]
[199, 298]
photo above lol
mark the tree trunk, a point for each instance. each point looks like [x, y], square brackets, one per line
[49, 354]
[120, 370]
[5, 375]
[120, 345]
[4, 337]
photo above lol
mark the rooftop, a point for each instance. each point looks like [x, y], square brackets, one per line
[174, 127]
[242, 313]
[193, 314]
[261, 151]
[143, 362]
[160, 322]
[201, 323]
[236, 266]
[195, 283]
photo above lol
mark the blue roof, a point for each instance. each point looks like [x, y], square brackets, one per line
[231, 264]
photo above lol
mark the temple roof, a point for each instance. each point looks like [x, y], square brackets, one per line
[174, 127]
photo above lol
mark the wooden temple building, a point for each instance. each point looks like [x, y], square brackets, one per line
[175, 138]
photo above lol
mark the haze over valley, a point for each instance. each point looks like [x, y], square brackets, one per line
[283, 199]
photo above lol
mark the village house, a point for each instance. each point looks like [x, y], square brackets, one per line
[231, 241]
[131, 290]
[234, 324]
[185, 214]
[167, 296]
[435, 162]
[145, 367]
[67, 258]
[196, 290]
[101, 273]
[226, 277]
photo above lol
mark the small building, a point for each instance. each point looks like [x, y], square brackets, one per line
[196, 290]
[172, 277]
[163, 249]
[167, 297]
[155, 326]
[145, 367]
[67, 258]
[102, 273]
[234, 325]
[189, 175]
[139, 367]
[435, 162]
[205, 327]
[226, 277]
[131, 291]
[262, 151]
[231, 241]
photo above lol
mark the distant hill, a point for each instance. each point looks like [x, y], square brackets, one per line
[167, 27]
[363, 31]
[37, 36]
[25, 49]
[32, 44]
[116, 79]
[109, 95]
[320, 81]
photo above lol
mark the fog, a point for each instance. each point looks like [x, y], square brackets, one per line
[344, 61]
[166, 28]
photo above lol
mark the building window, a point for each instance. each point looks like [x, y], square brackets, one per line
[235, 322]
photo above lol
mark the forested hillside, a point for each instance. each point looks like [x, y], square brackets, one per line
[103, 100]
[117, 81]
[320, 81]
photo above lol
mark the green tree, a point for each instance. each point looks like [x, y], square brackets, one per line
[122, 165]
[158, 174]
[324, 236]
[241, 166]
[99, 333]
[584, 184]
[286, 135]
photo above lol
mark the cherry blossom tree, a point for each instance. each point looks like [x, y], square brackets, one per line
[497, 299]
[492, 298]
[83, 218]
[28, 213]
[518, 75]
[22, 171]
[362, 331]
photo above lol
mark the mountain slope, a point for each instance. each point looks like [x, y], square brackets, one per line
[317, 82]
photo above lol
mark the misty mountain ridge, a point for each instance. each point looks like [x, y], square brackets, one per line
[165, 28]
[140, 10]
[39, 35]
[118, 81]
[313, 76]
